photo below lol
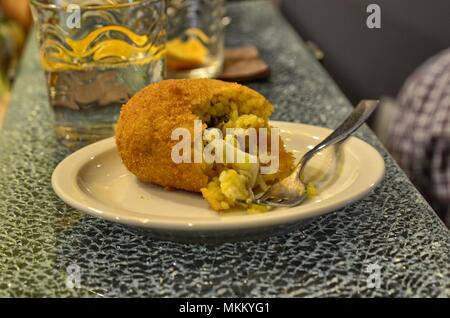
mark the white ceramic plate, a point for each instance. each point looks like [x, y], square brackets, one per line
[95, 181]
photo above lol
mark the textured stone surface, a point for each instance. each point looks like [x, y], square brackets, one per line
[40, 236]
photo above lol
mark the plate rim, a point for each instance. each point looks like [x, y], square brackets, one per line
[72, 164]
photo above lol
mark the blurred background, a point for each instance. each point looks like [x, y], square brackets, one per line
[15, 21]
[405, 63]
[369, 63]
[401, 63]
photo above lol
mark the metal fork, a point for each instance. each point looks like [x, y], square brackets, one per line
[291, 191]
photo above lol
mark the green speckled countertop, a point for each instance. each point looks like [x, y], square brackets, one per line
[40, 236]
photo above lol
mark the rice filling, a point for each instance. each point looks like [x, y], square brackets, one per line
[233, 184]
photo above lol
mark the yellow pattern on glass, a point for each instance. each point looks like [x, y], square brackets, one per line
[80, 46]
[79, 54]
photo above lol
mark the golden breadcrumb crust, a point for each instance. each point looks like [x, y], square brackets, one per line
[146, 122]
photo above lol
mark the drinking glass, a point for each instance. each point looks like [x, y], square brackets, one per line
[96, 54]
[195, 38]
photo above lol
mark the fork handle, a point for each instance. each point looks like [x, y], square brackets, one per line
[357, 117]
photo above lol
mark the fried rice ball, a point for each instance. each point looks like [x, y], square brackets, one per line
[146, 122]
